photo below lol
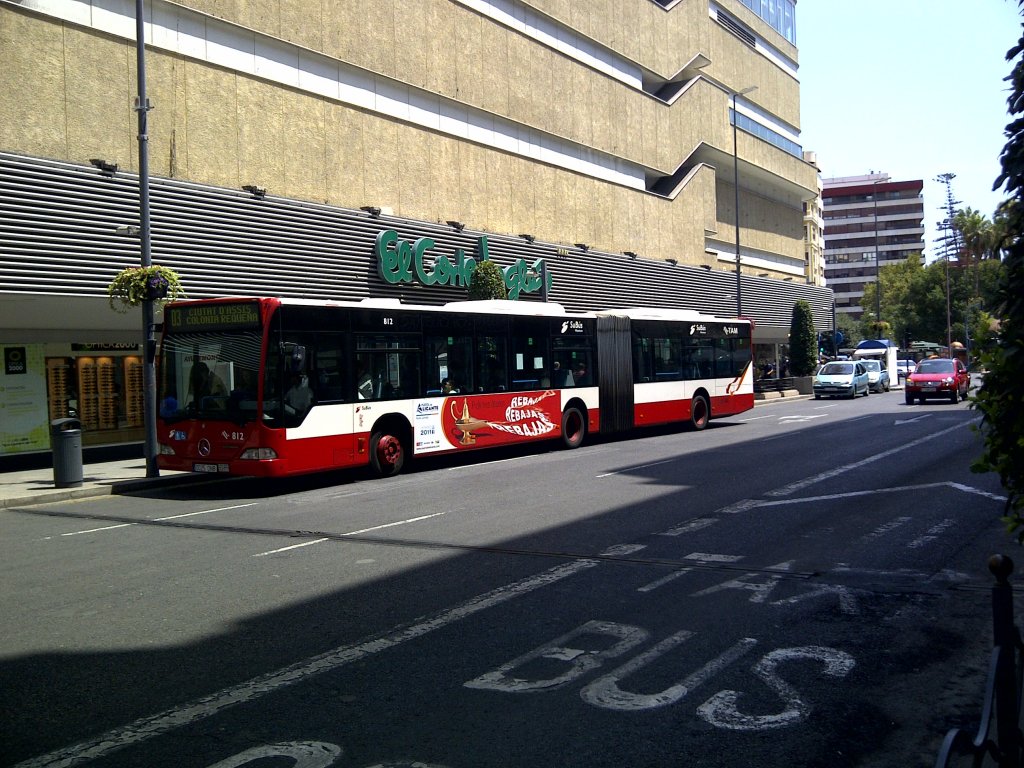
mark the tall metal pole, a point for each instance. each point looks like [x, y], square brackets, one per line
[878, 281]
[736, 186]
[148, 323]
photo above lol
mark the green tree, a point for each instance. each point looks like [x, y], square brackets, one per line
[803, 347]
[1001, 398]
[488, 282]
[914, 298]
[850, 330]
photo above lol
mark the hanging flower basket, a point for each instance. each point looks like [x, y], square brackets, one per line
[134, 285]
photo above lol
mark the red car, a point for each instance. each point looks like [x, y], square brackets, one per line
[937, 377]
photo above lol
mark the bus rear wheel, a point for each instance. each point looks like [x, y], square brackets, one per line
[387, 454]
[700, 412]
[574, 427]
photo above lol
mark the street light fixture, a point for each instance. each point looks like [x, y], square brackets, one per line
[736, 186]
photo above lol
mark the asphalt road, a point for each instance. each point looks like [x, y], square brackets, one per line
[801, 585]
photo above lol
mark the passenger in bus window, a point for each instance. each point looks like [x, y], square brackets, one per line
[581, 375]
[447, 388]
[558, 375]
[299, 397]
[204, 383]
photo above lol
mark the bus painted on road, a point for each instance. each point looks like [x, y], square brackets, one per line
[270, 387]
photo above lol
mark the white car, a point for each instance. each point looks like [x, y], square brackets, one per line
[841, 379]
[904, 368]
[878, 377]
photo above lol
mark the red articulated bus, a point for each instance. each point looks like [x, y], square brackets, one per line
[269, 387]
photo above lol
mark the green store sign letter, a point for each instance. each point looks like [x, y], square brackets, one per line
[401, 261]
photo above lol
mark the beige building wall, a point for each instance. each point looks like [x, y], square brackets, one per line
[69, 91]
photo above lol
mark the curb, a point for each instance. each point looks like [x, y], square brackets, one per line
[100, 488]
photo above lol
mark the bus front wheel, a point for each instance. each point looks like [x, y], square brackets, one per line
[574, 427]
[700, 412]
[387, 454]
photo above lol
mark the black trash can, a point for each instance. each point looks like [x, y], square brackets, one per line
[66, 443]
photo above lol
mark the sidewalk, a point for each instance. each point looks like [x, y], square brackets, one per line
[25, 487]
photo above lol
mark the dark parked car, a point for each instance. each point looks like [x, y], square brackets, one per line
[942, 377]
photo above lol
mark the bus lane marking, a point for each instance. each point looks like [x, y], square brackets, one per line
[931, 534]
[697, 524]
[701, 557]
[146, 728]
[721, 710]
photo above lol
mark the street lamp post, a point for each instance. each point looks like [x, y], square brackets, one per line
[145, 242]
[878, 281]
[736, 187]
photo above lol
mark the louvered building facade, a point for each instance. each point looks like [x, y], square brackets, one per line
[285, 135]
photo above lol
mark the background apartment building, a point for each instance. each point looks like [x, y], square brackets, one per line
[868, 217]
[631, 147]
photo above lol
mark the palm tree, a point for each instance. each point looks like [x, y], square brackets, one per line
[977, 235]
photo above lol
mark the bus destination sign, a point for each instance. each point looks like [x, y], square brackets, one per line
[212, 317]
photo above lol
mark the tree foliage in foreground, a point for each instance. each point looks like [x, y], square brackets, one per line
[1001, 398]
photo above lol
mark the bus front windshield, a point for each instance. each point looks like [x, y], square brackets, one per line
[210, 375]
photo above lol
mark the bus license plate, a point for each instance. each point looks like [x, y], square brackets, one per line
[209, 467]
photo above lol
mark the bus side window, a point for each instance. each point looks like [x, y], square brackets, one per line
[492, 375]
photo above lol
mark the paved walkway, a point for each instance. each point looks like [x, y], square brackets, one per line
[23, 487]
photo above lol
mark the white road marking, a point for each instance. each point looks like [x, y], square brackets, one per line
[701, 557]
[94, 530]
[705, 557]
[148, 727]
[799, 418]
[293, 546]
[887, 528]
[690, 526]
[392, 525]
[932, 534]
[204, 512]
[353, 533]
[621, 550]
[157, 519]
[663, 580]
[634, 469]
[911, 421]
[721, 710]
[799, 485]
[739, 506]
[606, 693]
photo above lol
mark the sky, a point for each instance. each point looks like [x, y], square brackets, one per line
[912, 88]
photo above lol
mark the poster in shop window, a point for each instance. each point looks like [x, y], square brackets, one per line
[23, 415]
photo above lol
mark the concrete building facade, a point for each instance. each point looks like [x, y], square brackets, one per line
[870, 221]
[283, 136]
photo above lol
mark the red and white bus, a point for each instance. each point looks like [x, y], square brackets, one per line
[270, 387]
